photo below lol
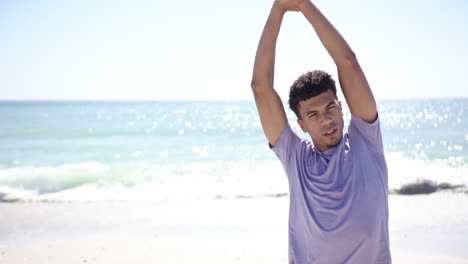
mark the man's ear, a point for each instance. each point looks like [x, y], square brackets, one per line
[299, 121]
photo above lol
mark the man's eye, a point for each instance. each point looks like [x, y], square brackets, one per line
[331, 107]
[312, 115]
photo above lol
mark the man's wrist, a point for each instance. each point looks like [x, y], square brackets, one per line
[278, 8]
[303, 4]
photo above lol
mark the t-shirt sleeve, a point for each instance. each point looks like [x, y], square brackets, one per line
[287, 142]
[370, 132]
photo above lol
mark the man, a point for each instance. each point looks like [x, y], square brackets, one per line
[339, 184]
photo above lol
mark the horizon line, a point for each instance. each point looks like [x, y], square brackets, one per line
[198, 100]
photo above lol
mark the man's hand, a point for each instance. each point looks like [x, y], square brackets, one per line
[290, 5]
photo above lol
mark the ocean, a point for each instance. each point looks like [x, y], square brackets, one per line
[177, 150]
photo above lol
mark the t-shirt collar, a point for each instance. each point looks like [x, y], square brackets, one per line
[330, 152]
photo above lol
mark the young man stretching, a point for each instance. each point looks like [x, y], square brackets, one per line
[339, 183]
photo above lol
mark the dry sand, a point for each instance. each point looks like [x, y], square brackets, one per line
[423, 229]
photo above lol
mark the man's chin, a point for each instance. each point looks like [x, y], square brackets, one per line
[334, 144]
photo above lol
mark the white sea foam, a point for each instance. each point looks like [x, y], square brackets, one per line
[197, 180]
[146, 181]
[403, 170]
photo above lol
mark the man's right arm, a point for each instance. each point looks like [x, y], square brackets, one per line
[269, 105]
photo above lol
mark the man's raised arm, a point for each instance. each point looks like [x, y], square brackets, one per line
[352, 80]
[269, 105]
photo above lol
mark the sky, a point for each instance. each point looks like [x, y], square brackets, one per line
[205, 49]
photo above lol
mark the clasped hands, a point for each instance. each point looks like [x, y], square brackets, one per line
[290, 5]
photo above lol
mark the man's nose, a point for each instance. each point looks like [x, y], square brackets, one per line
[326, 120]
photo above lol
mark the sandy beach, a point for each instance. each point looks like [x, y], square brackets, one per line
[423, 229]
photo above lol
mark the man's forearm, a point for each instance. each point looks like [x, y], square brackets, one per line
[264, 65]
[331, 39]
[267, 100]
[353, 82]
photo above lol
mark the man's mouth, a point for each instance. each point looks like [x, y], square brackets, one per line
[330, 132]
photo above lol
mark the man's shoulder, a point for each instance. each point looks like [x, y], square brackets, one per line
[292, 146]
[362, 132]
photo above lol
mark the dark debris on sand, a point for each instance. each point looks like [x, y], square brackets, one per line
[425, 187]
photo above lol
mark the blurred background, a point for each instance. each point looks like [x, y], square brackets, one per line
[152, 100]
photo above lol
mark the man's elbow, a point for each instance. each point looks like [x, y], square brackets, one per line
[348, 60]
[253, 85]
[258, 86]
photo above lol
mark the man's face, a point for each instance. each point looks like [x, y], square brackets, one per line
[322, 117]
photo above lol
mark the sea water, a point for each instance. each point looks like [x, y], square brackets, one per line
[172, 150]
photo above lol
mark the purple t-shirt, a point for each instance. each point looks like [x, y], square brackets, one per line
[338, 210]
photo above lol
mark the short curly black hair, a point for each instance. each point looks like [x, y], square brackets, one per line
[309, 85]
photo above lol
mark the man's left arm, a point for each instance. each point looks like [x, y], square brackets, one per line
[352, 80]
